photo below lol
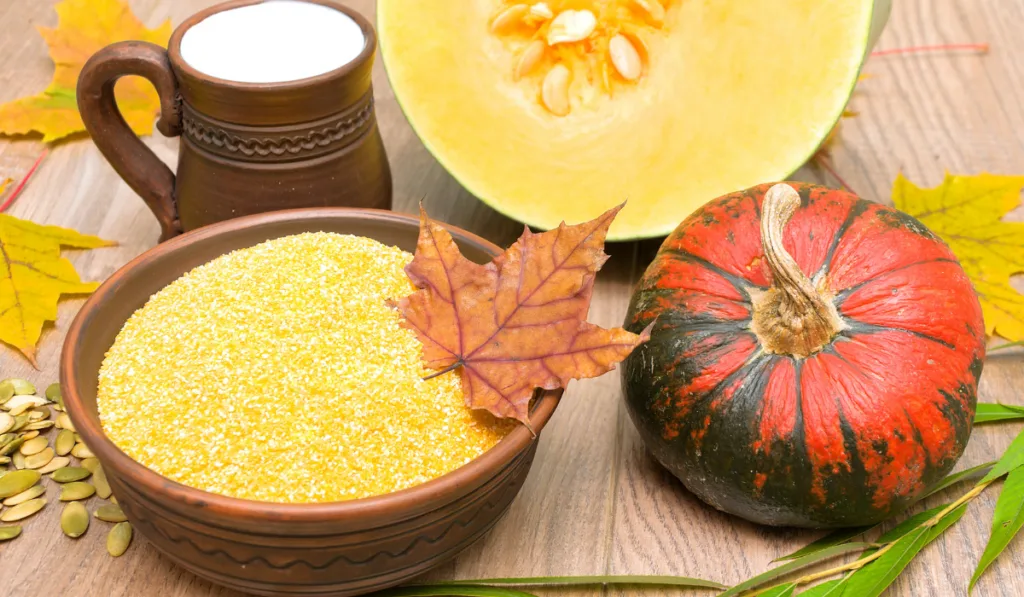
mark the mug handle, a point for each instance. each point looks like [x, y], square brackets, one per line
[136, 163]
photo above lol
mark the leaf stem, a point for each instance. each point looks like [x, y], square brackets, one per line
[980, 48]
[24, 180]
[441, 372]
[822, 161]
[858, 564]
[1006, 345]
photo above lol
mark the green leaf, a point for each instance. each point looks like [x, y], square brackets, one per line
[639, 579]
[797, 564]
[832, 588]
[779, 591]
[1008, 519]
[910, 524]
[1006, 345]
[971, 474]
[833, 538]
[451, 590]
[988, 413]
[874, 578]
[1012, 458]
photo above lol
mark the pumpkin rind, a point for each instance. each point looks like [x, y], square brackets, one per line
[844, 437]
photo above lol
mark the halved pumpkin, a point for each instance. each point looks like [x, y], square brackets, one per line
[557, 110]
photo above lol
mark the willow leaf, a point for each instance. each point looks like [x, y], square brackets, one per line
[873, 579]
[971, 474]
[779, 591]
[452, 590]
[911, 524]
[1008, 519]
[832, 588]
[797, 564]
[833, 538]
[988, 412]
[641, 579]
[1012, 458]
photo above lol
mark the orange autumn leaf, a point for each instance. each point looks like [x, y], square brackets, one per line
[33, 276]
[84, 27]
[517, 323]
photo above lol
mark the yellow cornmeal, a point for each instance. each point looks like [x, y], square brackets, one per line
[279, 373]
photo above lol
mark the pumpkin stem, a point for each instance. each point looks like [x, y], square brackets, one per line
[792, 317]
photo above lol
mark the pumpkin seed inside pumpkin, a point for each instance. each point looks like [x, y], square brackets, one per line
[74, 520]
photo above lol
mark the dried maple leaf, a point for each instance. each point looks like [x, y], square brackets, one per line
[967, 212]
[33, 275]
[517, 323]
[84, 27]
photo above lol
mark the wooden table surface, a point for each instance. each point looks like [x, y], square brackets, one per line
[595, 502]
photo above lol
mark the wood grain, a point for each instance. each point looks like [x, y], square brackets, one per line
[595, 501]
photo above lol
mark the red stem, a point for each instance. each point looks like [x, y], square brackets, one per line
[823, 162]
[982, 48]
[24, 180]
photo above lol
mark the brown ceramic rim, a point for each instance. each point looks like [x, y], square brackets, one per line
[174, 49]
[399, 505]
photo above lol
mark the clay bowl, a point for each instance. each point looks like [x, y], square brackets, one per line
[342, 548]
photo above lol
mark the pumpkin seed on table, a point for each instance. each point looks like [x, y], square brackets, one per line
[12, 446]
[34, 446]
[74, 520]
[53, 393]
[6, 391]
[21, 386]
[99, 480]
[39, 413]
[90, 464]
[119, 538]
[6, 422]
[70, 474]
[39, 460]
[4, 460]
[64, 422]
[64, 442]
[39, 425]
[20, 421]
[81, 451]
[76, 490]
[30, 434]
[23, 403]
[110, 513]
[29, 494]
[23, 510]
[18, 459]
[16, 482]
[56, 463]
[9, 532]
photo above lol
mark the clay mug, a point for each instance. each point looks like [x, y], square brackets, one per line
[245, 147]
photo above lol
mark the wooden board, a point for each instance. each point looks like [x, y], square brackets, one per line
[595, 501]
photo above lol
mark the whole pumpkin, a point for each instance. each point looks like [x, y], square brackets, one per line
[814, 359]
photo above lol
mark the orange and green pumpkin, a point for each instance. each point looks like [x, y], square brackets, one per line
[814, 359]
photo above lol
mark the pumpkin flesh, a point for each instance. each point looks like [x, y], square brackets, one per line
[848, 435]
[732, 94]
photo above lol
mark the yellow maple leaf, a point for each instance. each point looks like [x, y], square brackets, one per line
[83, 28]
[33, 275]
[967, 212]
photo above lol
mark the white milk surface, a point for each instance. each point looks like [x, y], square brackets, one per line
[272, 42]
